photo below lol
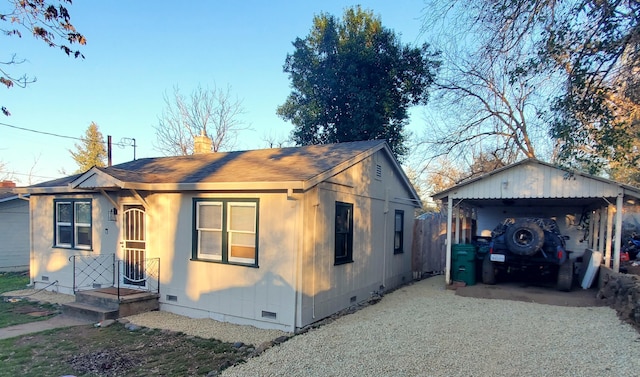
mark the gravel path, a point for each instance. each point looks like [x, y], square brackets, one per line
[425, 330]
[205, 328]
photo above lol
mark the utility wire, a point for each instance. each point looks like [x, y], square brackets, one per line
[57, 135]
[25, 174]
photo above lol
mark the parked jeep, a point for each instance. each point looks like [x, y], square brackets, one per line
[528, 245]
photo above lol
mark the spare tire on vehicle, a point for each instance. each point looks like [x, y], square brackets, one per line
[524, 237]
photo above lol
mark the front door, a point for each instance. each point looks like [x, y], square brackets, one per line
[133, 245]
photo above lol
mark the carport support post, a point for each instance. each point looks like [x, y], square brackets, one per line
[618, 241]
[607, 249]
[447, 264]
[601, 232]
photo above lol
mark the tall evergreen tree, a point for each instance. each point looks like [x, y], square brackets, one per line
[353, 80]
[91, 151]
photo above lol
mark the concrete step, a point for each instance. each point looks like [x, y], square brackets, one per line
[88, 312]
[98, 299]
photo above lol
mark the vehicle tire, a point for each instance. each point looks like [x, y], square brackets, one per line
[524, 237]
[565, 276]
[488, 271]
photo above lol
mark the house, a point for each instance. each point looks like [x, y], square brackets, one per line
[275, 238]
[14, 229]
[587, 208]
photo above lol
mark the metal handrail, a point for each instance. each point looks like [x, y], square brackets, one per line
[146, 276]
[92, 271]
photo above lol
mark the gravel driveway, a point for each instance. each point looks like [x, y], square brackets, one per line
[425, 330]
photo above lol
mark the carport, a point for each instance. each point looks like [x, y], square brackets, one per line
[588, 209]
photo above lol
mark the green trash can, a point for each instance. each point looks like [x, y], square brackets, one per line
[463, 263]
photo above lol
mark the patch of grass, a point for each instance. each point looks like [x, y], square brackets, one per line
[13, 281]
[16, 313]
[115, 351]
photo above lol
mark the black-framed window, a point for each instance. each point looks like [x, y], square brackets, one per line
[398, 232]
[72, 223]
[226, 230]
[344, 233]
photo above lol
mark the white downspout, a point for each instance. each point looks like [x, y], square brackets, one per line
[384, 242]
[313, 267]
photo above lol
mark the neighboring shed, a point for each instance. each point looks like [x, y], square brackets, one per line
[586, 207]
[14, 229]
[275, 238]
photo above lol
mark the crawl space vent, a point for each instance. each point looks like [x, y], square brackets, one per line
[270, 315]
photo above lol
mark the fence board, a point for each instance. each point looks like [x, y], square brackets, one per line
[429, 243]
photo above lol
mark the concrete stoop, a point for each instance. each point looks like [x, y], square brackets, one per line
[98, 306]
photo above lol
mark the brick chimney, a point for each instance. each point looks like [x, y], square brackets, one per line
[7, 184]
[202, 144]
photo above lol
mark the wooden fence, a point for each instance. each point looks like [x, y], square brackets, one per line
[429, 244]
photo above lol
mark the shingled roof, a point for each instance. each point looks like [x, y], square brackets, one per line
[263, 165]
[278, 168]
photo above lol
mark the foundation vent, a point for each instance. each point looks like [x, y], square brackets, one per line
[270, 315]
[44, 278]
[172, 298]
[353, 299]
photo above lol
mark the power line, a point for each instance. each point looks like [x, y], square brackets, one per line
[7, 172]
[58, 135]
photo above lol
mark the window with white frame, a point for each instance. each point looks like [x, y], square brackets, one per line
[72, 219]
[226, 231]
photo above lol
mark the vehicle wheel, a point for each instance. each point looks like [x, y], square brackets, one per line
[524, 237]
[488, 271]
[565, 276]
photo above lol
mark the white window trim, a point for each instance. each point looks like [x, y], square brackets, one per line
[230, 232]
[202, 229]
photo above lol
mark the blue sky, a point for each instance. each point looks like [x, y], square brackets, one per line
[139, 50]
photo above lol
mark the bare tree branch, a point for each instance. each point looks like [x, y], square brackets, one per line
[210, 112]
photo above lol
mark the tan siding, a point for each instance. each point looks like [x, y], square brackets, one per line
[327, 288]
[54, 262]
[221, 291]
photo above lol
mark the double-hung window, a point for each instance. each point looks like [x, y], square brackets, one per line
[343, 233]
[72, 219]
[398, 232]
[226, 230]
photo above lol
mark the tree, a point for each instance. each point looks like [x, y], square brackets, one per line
[209, 112]
[91, 151]
[5, 175]
[353, 80]
[484, 103]
[45, 21]
[590, 48]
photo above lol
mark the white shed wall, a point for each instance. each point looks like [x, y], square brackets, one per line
[568, 219]
[532, 180]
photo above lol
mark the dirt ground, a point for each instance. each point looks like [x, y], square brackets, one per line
[542, 292]
[531, 292]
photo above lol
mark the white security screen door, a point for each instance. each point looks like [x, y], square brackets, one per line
[133, 244]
